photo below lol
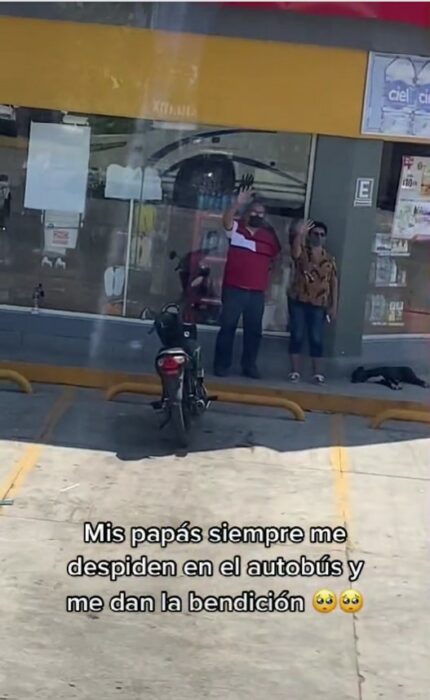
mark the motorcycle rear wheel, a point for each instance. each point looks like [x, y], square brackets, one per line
[181, 422]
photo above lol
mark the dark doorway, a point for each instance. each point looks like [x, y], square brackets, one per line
[213, 173]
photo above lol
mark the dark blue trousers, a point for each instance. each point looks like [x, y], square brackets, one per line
[306, 318]
[236, 303]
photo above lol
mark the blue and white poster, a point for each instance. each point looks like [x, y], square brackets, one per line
[397, 100]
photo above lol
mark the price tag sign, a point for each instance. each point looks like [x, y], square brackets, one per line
[409, 182]
[412, 174]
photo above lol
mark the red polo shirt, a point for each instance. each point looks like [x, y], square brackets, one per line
[249, 257]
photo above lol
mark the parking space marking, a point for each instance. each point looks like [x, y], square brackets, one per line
[13, 482]
[340, 463]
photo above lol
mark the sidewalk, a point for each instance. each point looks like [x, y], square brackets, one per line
[97, 353]
[336, 396]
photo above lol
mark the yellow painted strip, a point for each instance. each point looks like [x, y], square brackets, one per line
[168, 76]
[13, 482]
[339, 459]
[60, 407]
[309, 400]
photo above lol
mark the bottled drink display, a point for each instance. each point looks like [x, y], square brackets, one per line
[211, 199]
[421, 124]
[399, 96]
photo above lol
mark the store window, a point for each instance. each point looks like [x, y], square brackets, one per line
[399, 293]
[116, 216]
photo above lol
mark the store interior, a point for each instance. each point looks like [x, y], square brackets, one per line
[399, 282]
[85, 260]
[125, 249]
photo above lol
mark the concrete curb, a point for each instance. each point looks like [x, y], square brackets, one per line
[309, 401]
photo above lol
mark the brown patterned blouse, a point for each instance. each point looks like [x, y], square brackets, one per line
[312, 281]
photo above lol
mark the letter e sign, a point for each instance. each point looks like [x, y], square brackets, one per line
[363, 192]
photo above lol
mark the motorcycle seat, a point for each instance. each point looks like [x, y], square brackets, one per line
[190, 331]
[173, 351]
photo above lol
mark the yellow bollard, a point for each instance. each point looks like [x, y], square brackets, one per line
[263, 401]
[224, 396]
[132, 388]
[9, 375]
[406, 414]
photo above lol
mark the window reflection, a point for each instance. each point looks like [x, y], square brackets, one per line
[115, 257]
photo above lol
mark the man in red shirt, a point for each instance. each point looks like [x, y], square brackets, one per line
[253, 248]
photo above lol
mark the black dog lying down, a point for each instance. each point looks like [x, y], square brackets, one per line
[388, 376]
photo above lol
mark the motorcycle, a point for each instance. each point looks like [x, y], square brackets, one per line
[194, 278]
[197, 287]
[179, 365]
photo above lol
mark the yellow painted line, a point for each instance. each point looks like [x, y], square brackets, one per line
[15, 479]
[340, 463]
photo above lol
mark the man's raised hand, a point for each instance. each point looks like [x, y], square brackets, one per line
[245, 191]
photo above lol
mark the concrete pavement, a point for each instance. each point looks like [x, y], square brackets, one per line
[68, 456]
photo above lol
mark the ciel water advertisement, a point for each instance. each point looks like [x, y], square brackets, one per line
[397, 100]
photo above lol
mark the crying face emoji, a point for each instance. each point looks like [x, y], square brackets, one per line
[324, 601]
[351, 601]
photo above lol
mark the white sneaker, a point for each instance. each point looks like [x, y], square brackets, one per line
[60, 263]
[294, 377]
[319, 379]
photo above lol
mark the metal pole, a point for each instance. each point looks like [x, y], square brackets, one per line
[310, 178]
[127, 260]
[130, 232]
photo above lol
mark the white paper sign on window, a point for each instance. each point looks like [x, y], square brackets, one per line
[61, 230]
[57, 167]
[152, 190]
[133, 183]
[123, 182]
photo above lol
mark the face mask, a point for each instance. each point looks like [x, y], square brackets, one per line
[315, 240]
[256, 221]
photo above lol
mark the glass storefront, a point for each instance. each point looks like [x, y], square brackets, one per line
[149, 217]
[398, 301]
[135, 244]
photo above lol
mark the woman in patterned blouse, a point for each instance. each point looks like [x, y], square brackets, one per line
[312, 295]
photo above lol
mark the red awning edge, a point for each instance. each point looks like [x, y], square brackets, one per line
[416, 13]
